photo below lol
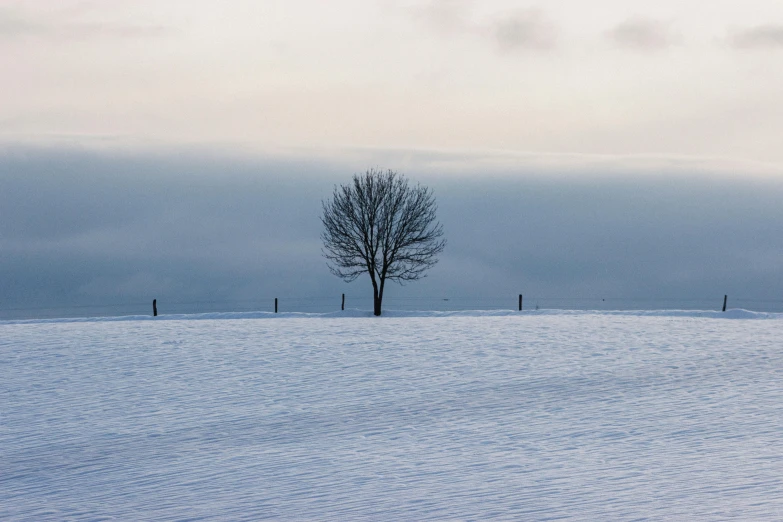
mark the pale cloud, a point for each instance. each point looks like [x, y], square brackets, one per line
[513, 30]
[526, 77]
[82, 23]
[524, 29]
[445, 16]
[643, 34]
[759, 37]
[13, 24]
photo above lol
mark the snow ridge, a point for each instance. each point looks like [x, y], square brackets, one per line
[734, 313]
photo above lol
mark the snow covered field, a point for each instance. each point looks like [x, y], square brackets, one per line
[531, 416]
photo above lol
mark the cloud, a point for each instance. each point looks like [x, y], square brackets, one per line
[13, 23]
[643, 34]
[117, 229]
[68, 24]
[518, 29]
[445, 16]
[524, 29]
[759, 37]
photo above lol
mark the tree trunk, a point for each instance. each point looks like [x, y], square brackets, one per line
[376, 298]
[379, 295]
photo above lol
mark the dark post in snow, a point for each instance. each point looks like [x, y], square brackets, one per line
[342, 307]
[275, 304]
[725, 298]
[154, 308]
[520, 302]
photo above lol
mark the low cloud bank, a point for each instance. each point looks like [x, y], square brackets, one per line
[84, 229]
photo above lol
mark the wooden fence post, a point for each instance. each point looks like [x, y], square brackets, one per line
[342, 307]
[725, 298]
[154, 308]
[275, 304]
[520, 302]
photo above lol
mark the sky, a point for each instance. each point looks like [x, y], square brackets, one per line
[575, 148]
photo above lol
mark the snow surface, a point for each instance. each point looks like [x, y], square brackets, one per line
[487, 415]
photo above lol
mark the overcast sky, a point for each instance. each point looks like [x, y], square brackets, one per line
[612, 147]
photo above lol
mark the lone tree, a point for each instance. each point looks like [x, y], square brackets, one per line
[381, 225]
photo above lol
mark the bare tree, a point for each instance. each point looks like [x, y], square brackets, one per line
[382, 226]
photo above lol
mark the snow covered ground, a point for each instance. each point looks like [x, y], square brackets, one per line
[526, 416]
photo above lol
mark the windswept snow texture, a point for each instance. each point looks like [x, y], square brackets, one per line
[525, 417]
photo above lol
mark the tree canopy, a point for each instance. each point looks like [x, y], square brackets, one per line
[383, 226]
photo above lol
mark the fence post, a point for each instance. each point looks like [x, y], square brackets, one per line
[520, 302]
[154, 308]
[342, 307]
[275, 304]
[725, 298]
